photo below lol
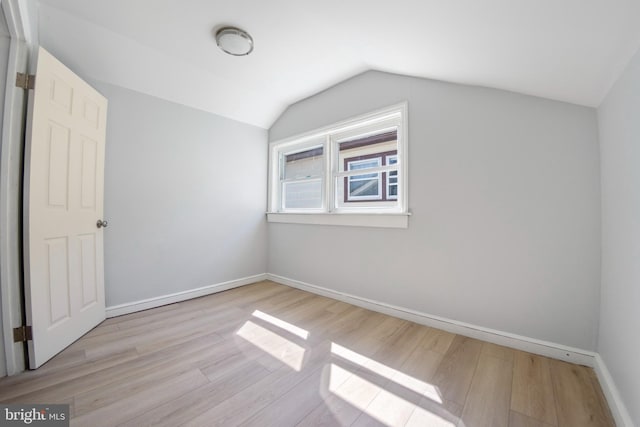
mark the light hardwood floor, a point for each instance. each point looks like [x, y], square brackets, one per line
[269, 355]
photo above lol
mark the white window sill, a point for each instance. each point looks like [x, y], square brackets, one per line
[394, 220]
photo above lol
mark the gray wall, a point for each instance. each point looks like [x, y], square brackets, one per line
[618, 344]
[505, 195]
[184, 197]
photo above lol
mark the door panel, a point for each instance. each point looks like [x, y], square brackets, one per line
[64, 183]
[88, 270]
[58, 277]
[89, 171]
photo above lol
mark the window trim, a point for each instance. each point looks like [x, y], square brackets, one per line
[394, 116]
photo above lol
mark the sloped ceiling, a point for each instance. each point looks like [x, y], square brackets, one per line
[568, 50]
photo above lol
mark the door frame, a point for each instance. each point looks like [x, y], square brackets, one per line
[11, 177]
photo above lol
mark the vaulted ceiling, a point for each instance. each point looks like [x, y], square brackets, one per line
[568, 50]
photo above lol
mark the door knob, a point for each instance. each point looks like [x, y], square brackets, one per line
[102, 223]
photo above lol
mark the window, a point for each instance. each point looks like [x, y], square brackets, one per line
[392, 181]
[355, 169]
[367, 186]
[302, 178]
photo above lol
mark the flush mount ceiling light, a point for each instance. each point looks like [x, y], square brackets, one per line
[234, 41]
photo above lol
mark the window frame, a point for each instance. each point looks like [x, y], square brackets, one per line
[376, 213]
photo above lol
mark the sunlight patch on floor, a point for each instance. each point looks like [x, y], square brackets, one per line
[379, 403]
[273, 344]
[343, 383]
[422, 417]
[420, 387]
[281, 324]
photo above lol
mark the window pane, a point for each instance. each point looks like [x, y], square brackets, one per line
[366, 176]
[363, 164]
[366, 188]
[305, 194]
[304, 164]
[367, 151]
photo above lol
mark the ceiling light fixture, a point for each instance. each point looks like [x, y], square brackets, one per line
[234, 41]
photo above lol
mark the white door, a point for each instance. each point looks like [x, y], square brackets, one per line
[64, 183]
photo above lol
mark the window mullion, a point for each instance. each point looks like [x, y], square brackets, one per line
[306, 178]
[377, 169]
[329, 186]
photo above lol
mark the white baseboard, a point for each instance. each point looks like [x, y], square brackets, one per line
[617, 406]
[131, 307]
[531, 345]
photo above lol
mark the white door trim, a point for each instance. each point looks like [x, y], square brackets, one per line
[12, 146]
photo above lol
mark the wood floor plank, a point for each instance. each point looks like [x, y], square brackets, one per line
[516, 419]
[138, 315]
[103, 396]
[159, 336]
[294, 405]
[342, 401]
[437, 340]
[124, 409]
[488, 400]
[105, 329]
[434, 414]
[34, 382]
[407, 384]
[424, 361]
[199, 400]
[103, 376]
[249, 401]
[341, 326]
[577, 403]
[413, 385]
[64, 360]
[456, 370]
[393, 405]
[498, 351]
[532, 393]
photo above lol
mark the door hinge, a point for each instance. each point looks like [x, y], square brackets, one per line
[25, 81]
[22, 334]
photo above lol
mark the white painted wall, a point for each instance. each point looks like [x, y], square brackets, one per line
[505, 195]
[618, 343]
[184, 197]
